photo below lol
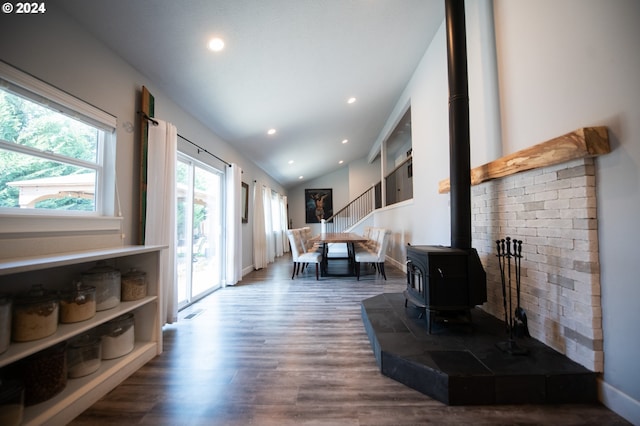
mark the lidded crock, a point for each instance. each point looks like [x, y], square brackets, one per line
[11, 402]
[84, 355]
[106, 280]
[134, 285]
[35, 314]
[44, 373]
[78, 304]
[118, 336]
[5, 322]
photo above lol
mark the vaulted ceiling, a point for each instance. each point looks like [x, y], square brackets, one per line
[290, 65]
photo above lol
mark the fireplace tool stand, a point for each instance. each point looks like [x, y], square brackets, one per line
[515, 320]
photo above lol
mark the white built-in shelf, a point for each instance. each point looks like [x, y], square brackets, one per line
[16, 275]
[64, 332]
[34, 263]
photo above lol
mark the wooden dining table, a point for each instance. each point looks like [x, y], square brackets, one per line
[350, 238]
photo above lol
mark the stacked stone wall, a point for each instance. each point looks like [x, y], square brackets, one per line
[553, 211]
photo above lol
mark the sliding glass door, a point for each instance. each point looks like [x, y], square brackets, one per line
[199, 222]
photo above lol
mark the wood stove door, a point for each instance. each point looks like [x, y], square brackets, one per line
[447, 288]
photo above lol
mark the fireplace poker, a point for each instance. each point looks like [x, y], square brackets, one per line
[500, 256]
[522, 329]
[516, 327]
[508, 256]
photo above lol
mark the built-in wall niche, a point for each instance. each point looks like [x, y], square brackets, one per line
[399, 163]
[398, 144]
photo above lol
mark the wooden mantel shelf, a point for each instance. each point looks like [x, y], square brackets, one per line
[581, 143]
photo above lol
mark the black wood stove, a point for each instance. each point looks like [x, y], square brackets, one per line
[446, 282]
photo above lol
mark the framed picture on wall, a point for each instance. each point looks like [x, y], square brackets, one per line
[318, 204]
[245, 202]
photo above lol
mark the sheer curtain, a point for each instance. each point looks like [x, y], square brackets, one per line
[259, 233]
[160, 220]
[283, 223]
[278, 230]
[269, 225]
[233, 224]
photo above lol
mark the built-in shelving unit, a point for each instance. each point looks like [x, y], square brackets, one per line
[57, 271]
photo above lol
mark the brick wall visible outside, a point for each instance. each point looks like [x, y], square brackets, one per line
[553, 211]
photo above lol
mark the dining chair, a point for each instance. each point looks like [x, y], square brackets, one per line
[302, 257]
[377, 256]
[306, 234]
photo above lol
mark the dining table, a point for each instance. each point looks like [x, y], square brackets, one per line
[326, 238]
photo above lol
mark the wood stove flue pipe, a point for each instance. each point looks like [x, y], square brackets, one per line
[459, 146]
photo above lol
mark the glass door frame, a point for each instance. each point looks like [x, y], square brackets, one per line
[187, 245]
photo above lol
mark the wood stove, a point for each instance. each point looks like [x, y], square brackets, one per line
[446, 282]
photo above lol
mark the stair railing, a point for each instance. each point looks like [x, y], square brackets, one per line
[353, 212]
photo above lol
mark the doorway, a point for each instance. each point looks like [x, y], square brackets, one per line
[199, 225]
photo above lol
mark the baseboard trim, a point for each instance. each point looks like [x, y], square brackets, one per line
[247, 270]
[399, 265]
[619, 402]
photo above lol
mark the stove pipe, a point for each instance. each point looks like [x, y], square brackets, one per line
[459, 146]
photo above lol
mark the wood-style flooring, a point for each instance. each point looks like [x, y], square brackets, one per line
[276, 351]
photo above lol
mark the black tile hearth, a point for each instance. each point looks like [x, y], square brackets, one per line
[460, 363]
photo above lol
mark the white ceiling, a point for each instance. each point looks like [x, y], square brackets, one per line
[287, 64]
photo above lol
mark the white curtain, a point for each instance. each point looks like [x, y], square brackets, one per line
[283, 222]
[259, 233]
[268, 224]
[233, 224]
[278, 230]
[160, 221]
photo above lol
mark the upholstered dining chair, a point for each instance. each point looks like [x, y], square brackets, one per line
[377, 256]
[309, 245]
[302, 257]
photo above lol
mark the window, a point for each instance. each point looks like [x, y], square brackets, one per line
[56, 152]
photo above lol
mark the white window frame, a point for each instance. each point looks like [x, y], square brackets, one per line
[104, 218]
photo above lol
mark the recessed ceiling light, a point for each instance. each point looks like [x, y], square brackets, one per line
[351, 100]
[300, 177]
[345, 140]
[216, 44]
[271, 131]
[340, 162]
[290, 161]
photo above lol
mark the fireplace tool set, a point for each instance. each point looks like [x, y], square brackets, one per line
[515, 320]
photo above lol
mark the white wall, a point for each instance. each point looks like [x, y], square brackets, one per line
[561, 65]
[338, 181]
[53, 48]
[568, 64]
[362, 176]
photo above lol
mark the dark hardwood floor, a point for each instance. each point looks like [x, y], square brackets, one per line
[276, 351]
